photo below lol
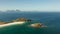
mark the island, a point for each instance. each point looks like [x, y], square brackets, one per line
[21, 21]
[37, 25]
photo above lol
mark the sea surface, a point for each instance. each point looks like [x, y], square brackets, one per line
[50, 19]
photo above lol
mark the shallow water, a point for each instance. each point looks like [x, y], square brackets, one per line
[23, 29]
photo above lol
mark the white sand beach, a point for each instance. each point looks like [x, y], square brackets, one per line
[13, 23]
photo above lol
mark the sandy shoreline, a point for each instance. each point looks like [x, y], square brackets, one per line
[13, 23]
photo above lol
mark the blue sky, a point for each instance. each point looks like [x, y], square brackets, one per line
[30, 5]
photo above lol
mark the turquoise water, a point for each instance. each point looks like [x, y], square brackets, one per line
[51, 19]
[22, 29]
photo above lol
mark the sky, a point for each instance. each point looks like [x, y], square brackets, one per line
[30, 5]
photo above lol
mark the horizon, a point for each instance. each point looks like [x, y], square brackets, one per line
[17, 10]
[30, 5]
[27, 10]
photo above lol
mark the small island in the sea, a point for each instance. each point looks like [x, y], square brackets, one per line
[21, 21]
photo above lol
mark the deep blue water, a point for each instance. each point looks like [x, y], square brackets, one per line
[51, 19]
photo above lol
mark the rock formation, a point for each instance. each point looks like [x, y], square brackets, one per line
[37, 25]
[22, 20]
[2, 23]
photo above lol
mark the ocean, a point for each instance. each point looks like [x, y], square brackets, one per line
[50, 19]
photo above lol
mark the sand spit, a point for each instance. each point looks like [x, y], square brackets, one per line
[13, 23]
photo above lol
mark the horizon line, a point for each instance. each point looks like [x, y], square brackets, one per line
[30, 10]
